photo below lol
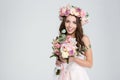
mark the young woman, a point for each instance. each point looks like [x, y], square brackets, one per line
[73, 18]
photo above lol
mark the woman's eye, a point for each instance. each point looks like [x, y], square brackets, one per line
[67, 21]
[74, 22]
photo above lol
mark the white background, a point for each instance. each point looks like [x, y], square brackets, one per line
[27, 28]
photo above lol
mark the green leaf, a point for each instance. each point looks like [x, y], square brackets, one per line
[53, 48]
[58, 72]
[52, 55]
[67, 60]
[63, 31]
[87, 15]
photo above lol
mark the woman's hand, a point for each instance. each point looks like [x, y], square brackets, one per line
[62, 59]
[71, 59]
[58, 63]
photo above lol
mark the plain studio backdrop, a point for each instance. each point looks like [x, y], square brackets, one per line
[27, 28]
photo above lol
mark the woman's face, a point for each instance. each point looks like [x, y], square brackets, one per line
[70, 25]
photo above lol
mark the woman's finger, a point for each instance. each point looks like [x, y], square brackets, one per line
[58, 63]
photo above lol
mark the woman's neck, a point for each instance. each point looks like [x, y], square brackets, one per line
[72, 35]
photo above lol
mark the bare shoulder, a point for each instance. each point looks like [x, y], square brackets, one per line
[87, 42]
[86, 39]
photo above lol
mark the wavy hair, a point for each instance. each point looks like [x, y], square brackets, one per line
[78, 32]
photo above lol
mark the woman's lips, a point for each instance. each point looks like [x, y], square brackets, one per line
[69, 29]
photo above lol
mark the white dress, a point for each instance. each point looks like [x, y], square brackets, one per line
[73, 71]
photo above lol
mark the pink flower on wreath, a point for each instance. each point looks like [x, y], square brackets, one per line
[62, 11]
[83, 14]
[84, 20]
[67, 12]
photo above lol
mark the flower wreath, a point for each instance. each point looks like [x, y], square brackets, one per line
[73, 10]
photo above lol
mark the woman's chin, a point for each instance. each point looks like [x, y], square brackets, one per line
[70, 33]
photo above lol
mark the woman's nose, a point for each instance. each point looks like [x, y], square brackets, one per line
[70, 25]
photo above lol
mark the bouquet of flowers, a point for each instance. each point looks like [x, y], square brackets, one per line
[64, 46]
[68, 48]
[57, 44]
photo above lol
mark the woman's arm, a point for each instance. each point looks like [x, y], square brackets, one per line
[88, 62]
[60, 61]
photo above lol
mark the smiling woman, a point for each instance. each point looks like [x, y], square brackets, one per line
[70, 25]
[73, 18]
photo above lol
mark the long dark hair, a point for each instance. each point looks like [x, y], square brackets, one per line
[78, 32]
